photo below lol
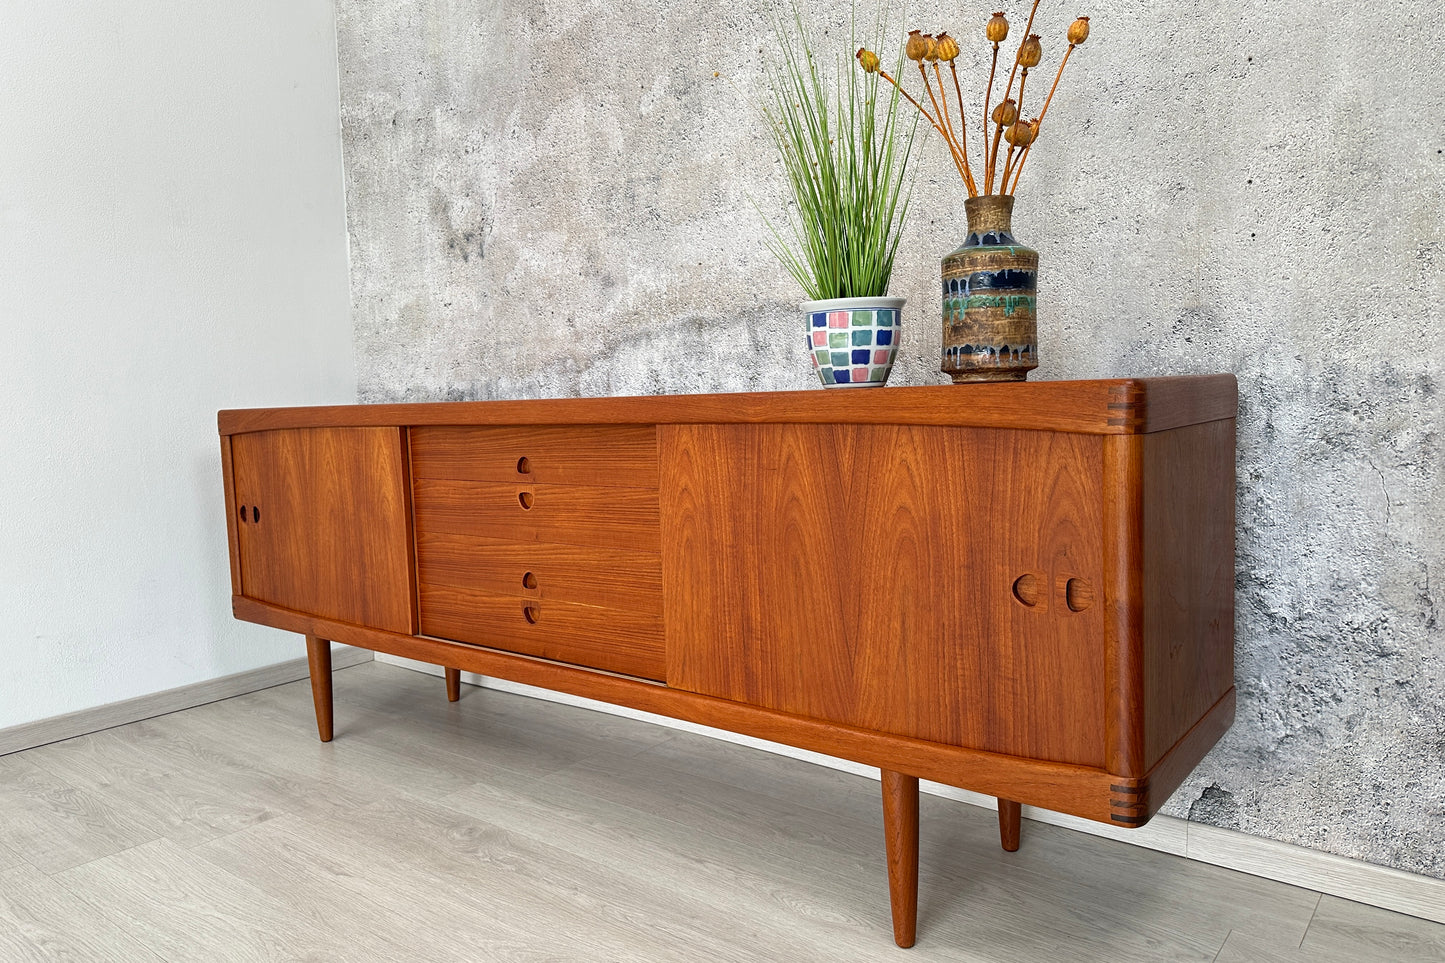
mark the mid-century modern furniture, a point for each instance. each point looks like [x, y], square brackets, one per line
[1021, 589]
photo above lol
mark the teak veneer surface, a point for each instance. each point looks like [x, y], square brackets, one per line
[1025, 590]
[864, 575]
[1080, 790]
[622, 456]
[590, 575]
[614, 640]
[327, 523]
[1187, 577]
[624, 518]
[1116, 407]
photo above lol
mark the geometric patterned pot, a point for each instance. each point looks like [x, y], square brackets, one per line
[989, 330]
[852, 341]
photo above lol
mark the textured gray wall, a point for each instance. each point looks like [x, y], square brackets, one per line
[551, 199]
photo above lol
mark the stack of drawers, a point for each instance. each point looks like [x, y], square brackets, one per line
[542, 540]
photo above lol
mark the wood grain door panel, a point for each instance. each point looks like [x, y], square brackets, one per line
[324, 523]
[865, 575]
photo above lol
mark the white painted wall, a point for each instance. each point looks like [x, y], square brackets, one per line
[172, 241]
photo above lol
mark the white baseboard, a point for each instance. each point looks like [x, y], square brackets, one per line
[43, 731]
[1352, 879]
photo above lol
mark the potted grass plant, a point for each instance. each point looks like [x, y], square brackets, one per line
[845, 154]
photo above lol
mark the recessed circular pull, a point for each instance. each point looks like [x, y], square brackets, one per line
[523, 465]
[526, 499]
[1078, 594]
[531, 613]
[529, 580]
[255, 513]
[1027, 591]
[243, 512]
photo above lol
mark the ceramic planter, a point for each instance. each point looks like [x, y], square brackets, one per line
[853, 340]
[989, 331]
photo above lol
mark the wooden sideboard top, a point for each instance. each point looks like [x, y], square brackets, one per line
[1120, 406]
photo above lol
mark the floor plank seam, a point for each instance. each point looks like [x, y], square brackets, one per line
[1227, 935]
[1314, 912]
[230, 832]
[61, 872]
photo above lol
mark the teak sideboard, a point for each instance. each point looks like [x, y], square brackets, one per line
[1026, 590]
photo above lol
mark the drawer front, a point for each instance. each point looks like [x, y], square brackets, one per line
[542, 540]
[603, 456]
[624, 518]
[614, 640]
[608, 578]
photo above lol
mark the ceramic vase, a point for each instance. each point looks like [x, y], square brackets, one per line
[989, 332]
[853, 340]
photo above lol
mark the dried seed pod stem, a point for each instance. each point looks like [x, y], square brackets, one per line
[1020, 135]
[909, 97]
[963, 123]
[960, 140]
[1008, 161]
[987, 94]
[947, 136]
[1030, 26]
[1023, 155]
[942, 113]
[998, 117]
[1047, 100]
[1009, 89]
[926, 116]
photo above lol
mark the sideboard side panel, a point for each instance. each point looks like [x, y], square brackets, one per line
[233, 542]
[864, 574]
[1188, 565]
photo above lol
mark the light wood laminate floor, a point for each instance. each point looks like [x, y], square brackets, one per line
[503, 828]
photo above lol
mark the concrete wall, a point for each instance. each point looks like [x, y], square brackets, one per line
[556, 199]
[171, 242]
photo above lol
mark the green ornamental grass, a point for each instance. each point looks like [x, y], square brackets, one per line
[846, 159]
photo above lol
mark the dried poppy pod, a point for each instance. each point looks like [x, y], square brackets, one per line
[947, 47]
[1021, 134]
[1031, 51]
[916, 47]
[868, 60]
[997, 29]
[930, 48]
[1006, 113]
[1079, 31]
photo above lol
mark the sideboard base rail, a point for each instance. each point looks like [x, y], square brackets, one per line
[1077, 790]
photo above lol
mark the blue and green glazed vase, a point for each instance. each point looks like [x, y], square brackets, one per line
[989, 331]
[853, 340]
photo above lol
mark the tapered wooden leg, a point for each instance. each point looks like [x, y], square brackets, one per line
[454, 684]
[900, 828]
[318, 657]
[1010, 815]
